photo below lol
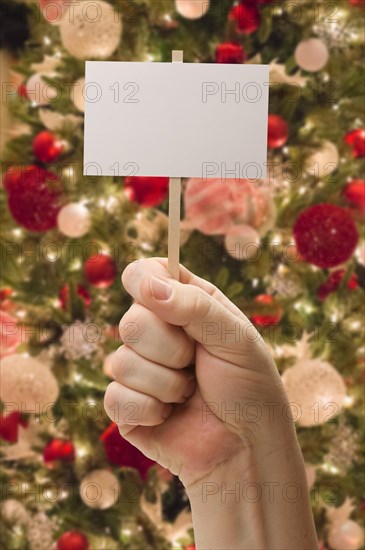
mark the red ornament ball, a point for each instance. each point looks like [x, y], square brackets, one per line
[72, 540]
[229, 52]
[47, 147]
[122, 453]
[357, 3]
[34, 197]
[247, 17]
[9, 426]
[325, 235]
[190, 547]
[81, 292]
[356, 140]
[334, 281]
[100, 270]
[354, 192]
[268, 312]
[147, 191]
[278, 131]
[22, 91]
[58, 449]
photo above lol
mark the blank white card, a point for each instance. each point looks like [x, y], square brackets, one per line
[176, 119]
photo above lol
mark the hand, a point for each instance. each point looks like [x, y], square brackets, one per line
[194, 379]
[208, 404]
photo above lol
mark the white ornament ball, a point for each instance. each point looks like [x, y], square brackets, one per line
[346, 536]
[14, 511]
[315, 391]
[192, 9]
[78, 94]
[108, 363]
[27, 382]
[242, 242]
[311, 55]
[311, 474]
[93, 31]
[74, 220]
[100, 489]
[324, 161]
[38, 91]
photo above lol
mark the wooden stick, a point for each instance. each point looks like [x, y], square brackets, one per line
[174, 208]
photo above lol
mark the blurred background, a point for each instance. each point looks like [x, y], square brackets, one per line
[288, 250]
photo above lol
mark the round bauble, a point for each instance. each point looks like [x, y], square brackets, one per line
[38, 91]
[122, 453]
[146, 191]
[278, 131]
[47, 147]
[192, 9]
[323, 162]
[34, 198]
[247, 17]
[268, 311]
[326, 235]
[100, 270]
[64, 296]
[100, 489]
[229, 52]
[311, 474]
[348, 535]
[78, 97]
[356, 140]
[27, 382]
[242, 242]
[311, 55]
[72, 540]
[14, 511]
[53, 10]
[74, 220]
[10, 334]
[58, 450]
[214, 206]
[315, 391]
[93, 31]
[354, 192]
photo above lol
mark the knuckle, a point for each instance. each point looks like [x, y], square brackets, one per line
[132, 320]
[201, 304]
[181, 355]
[148, 407]
[123, 367]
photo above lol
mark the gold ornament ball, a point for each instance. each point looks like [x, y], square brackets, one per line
[315, 390]
[78, 97]
[311, 55]
[192, 9]
[91, 30]
[38, 91]
[242, 242]
[100, 489]
[323, 162]
[28, 383]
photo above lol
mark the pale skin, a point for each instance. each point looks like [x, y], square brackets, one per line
[197, 391]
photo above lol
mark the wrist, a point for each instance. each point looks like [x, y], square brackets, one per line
[258, 499]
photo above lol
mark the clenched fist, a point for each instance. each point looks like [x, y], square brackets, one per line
[197, 391]
[193, 380]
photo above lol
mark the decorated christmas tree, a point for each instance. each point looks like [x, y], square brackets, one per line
[288, 250]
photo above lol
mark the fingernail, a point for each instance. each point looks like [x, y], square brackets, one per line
[190, 388]
[160, 289]
[167, 410]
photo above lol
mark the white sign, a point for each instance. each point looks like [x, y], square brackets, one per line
[176, 119]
